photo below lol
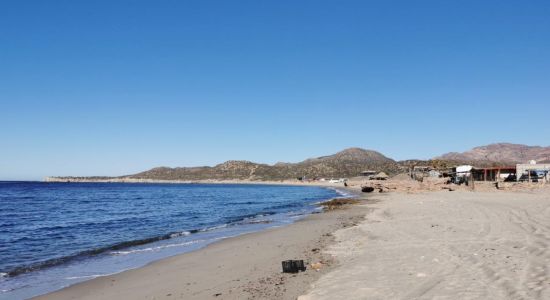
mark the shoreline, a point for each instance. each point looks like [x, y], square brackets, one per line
[411, 245]
[336, 192]
[253, 260]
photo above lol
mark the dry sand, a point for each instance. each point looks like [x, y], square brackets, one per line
[444, 245]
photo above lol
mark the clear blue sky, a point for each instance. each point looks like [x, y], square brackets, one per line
[117, 87]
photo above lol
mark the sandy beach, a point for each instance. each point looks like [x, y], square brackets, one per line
[444, 245]
[430, 245]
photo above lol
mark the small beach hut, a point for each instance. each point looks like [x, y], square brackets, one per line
[368, 173]
[380, 176]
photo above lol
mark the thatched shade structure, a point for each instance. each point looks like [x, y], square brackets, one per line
[380, 176]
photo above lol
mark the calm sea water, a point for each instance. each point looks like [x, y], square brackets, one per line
[56, 234]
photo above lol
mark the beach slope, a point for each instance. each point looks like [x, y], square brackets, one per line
[444, 245]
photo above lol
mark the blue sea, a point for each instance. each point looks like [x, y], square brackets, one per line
[56, 234]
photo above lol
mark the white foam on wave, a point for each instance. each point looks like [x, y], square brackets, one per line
[178, 234]
[342, 193]
[260, 215]
[259, 221]
[2, 276]
[94, 276]
[85, 277]
[157, 248]
[214, 228]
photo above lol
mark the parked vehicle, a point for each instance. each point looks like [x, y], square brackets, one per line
[531, 175]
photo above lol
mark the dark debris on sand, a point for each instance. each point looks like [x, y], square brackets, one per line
[338, 203]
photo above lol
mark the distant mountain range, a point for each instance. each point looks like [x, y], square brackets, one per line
[342, 164]
[347, 163]
[500, 153]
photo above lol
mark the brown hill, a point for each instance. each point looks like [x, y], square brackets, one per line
[500, 153]
[347, 163]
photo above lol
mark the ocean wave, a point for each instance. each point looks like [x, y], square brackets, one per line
[84, 277]
[258, 221]
[14, 288]
[178, 234]
[287, 206]
[157, 248]
[77, 225]
[239, 219]
[92, 252]
[265, 213]
[343, 193]
[111, 248]
[213, 227]
[296, 213]
[93, 276]
[244, 203]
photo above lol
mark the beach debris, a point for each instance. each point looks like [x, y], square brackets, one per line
[217, 294]
[338, 203]
[315, 250]
[316, 266]
[293, 266]
[367, 189]
[370, 187]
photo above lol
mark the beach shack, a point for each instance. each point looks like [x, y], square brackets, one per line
[461, 173]
[368, 173]
[380, 176]
[419, 172]
[463, 170]
[503, 173]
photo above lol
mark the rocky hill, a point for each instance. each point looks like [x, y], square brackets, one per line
[347, 163]
[500, 153]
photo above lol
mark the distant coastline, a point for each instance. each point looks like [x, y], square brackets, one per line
[69, 179]
[111, 180]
